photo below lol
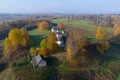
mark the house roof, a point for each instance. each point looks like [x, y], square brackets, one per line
[59, 33]
[36, 60]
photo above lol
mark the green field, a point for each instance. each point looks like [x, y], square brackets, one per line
[90, 29]
[82, 24]
[77, 24]
[55, 65]
[36, 36]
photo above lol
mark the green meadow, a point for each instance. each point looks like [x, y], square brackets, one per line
[36, 36]
[90, 29]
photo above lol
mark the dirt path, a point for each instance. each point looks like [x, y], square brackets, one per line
[60, 56]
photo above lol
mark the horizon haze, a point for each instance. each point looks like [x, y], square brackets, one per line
[60, 6]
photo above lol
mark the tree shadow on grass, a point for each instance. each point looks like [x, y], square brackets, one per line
[53, 61]
[3, 66]
[36, 39]
[53, 24]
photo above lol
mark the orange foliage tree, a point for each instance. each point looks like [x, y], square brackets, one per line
[60, 25]
[117, 29]
[43, 25]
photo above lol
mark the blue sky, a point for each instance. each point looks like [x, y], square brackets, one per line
[60, 6]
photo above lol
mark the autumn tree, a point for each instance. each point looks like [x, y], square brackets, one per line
[44, 51]
[8, 47]
[103, 44]
[43, 43]
[48, 46]
[16, 40]
[51, 42]
[33, 51]
[43, 25]
[60, 25]
[117, 32]
[43, 48]
[117, 29]
[76, 47]
[101, 32]
[19, 38]
[26, 39]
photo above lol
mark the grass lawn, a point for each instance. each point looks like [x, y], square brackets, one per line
[36, 36]
[118, 78]
[77, 24]
[56, 63]
[89, 28]
[83, 24]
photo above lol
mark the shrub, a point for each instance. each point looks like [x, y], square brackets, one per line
[103, 46]
[32, 51]
[13, 64]
[43, 43]
[44, 51]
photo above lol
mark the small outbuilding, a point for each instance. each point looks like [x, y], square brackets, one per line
[37, 61]
[54, 29]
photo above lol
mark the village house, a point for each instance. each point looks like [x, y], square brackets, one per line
[61, 37]
[53, 29]
[37, 61]
[59, 41]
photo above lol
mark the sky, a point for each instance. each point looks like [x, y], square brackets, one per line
[60, 6]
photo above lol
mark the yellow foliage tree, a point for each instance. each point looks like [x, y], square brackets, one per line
[25, 39]
[51, 42]
[15, 37]
[103, 44]
[19, 38]
[48, 46]
[43, 43]
[101, 33]
[32, 51]
[44, 51]
[8, 48]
